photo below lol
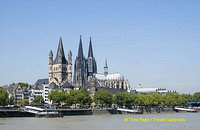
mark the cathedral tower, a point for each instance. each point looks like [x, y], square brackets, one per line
[91, 62]
[80, 66]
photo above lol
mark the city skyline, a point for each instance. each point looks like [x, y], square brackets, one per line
[155, 45]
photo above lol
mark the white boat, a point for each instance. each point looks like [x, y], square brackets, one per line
[40, 112]
[127, 110]
[185, 109]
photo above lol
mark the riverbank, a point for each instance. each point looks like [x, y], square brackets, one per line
[76, 112]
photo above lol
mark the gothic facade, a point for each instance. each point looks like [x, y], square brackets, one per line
[60, 69]
[111, 80]
[84, 67]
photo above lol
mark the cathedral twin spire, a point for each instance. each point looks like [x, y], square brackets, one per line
[90, 52]
[80, 50]
[83, 68]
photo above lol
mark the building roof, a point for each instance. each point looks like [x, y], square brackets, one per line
[60, 51]
[41, 81]
[67, 85]
[146, 90]
[53, 86]
[109, 76]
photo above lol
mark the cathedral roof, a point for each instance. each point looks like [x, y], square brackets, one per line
[90, 52]
[60, 51]
[113, 76]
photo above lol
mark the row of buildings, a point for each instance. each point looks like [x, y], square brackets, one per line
[29, 93]
[42, 89]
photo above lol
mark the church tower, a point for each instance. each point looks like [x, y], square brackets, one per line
[69, 67]
[58, 68]
[80, 66]
[91, 62]
[50, 65]
[105, 68]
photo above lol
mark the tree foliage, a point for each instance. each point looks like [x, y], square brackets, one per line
[23, 84]
[56, 96]
[196, 97]
[38, 100]
[24, 102]
[124, 99]
[3, 97]
[103, 97]
[81, 97]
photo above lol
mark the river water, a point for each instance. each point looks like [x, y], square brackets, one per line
[163, 121]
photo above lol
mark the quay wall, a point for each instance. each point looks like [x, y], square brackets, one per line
[73, 112]
[15, 113]
[104, 111]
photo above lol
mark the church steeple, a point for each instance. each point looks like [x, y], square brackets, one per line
[90, 52]
[60, 53]
[105, 67]
[80, 49]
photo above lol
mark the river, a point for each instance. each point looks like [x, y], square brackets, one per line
[185, 121]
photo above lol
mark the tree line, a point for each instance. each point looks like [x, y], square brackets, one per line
[103, 98]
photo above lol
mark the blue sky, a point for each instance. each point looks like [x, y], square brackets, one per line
[154, 43]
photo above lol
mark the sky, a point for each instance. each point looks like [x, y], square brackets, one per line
[153, 43]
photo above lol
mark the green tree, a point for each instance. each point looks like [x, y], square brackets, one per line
[124, 99]
[24, 102]
[38, 100]
[103, 97]
[134, 98]
[169, 99]
[83, 97]
[3, 97]
[188, 97]
[23, 84]
[72, 97]
[145, 100]
[181, 100]
[196, 97]
[11, 101]
[57, 97]
[156, 99]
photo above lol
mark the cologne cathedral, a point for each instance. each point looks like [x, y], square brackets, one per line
[84, 67]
